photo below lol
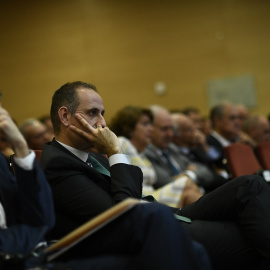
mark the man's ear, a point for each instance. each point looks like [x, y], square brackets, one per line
[64, 115]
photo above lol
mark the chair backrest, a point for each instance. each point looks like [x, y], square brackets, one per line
[263, 152]
[241, 159]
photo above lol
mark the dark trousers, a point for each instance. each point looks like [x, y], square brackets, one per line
[233, 223]
[146, 237]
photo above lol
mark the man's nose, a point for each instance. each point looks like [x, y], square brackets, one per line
[101, 121]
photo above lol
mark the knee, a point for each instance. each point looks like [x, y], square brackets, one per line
[153, 209]
[251, 180]
[249, 186]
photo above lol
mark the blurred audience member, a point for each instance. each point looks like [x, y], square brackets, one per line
[243, 114]
[258, 128]
[186, 134]
[226, 130]
[226, 124]
[35, 133]
[133, 126]
[191, 142]
[166, 160]
[46, 120]
[194, 115]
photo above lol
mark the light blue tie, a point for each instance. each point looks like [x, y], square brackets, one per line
[97, 166]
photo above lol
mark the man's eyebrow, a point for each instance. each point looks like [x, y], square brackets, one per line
[95, 109]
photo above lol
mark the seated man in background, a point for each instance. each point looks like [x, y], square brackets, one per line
[226, 130]
[166, 160]
[258, 128]
[46, 120]
[26, 215]
[191, 142]
[194, 115]
[35, 133]
[83, 187]
[243, 114]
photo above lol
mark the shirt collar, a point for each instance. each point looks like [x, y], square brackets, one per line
[78, 153]
[224, 142]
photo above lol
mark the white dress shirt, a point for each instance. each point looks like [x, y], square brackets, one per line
[114, 159]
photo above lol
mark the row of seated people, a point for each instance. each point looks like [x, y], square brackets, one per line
[228, 121]
[190, 154]
[228, 129]
[81, 191]
[27, 217]
[187, 137]
[231, 124]
[151, 136]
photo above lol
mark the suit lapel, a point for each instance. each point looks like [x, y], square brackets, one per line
[103, 160]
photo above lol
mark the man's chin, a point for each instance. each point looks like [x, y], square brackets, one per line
[90, 149]
[86, 147]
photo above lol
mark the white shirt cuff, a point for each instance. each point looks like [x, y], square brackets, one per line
[119, 158]
[26, 163]
[192, 175]
[224, 174]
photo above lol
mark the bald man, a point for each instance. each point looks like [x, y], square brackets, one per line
[258, 128]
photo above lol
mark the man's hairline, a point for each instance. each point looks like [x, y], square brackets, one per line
[81, 87]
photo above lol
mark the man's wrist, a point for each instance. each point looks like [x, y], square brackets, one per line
[192, 175]
[114, 152]
[119, 158]
[27, 162]
[21, 149]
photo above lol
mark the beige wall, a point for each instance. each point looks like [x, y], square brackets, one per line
[125, 47]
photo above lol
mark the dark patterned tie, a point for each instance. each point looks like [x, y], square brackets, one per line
[97, 166]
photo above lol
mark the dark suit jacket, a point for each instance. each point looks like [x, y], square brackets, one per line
[163, 171]
[79, 191]
[221, 161]
[28, 206]
[197, 155]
